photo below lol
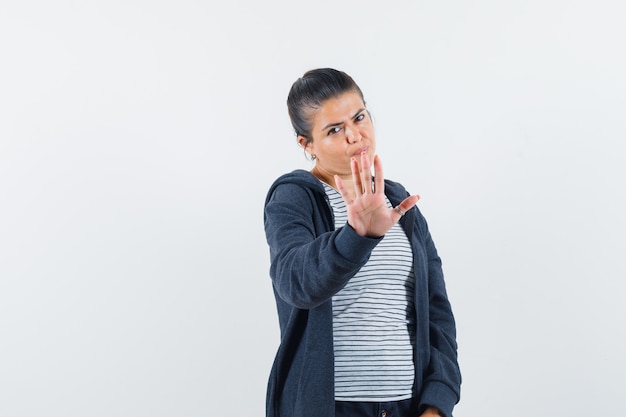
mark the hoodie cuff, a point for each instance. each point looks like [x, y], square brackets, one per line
[354, 247]
[440, 396]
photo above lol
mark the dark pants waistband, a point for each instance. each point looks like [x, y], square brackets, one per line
[403, 408]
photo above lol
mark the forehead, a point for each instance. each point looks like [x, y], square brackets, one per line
[338, 109]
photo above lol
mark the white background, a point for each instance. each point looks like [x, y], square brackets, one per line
[138, 139]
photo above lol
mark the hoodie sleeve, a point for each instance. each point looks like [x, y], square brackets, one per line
[443, 377]
[308, 263]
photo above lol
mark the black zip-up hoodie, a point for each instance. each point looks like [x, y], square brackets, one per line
[310, 262]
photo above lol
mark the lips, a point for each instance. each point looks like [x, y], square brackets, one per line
[360, 151]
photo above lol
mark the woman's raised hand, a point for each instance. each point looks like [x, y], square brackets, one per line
[368, 213]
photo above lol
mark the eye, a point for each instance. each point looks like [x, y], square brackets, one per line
[360, 117]
[334, 130]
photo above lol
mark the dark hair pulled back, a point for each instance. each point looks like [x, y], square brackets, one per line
[310, 91]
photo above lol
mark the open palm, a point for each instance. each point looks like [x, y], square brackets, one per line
[368, 213]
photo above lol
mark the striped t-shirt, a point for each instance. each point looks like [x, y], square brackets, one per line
[373, 320]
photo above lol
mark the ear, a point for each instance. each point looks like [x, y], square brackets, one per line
[306, 144]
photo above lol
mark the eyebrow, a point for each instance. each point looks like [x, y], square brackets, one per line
[340, 123]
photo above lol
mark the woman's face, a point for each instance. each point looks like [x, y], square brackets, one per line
[342, 129]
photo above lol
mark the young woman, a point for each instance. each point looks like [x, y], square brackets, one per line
[366, 325]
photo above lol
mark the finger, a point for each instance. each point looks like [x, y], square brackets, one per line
[406, 205]
[398, 210]
[379, 178]
[366, 173]
[342, 189]
[356, 177]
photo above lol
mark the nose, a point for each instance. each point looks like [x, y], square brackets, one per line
[353, 135]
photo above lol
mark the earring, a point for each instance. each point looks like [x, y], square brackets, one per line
[313, 157]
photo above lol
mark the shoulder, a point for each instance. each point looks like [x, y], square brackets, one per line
[294, 183]
[298, 175]
[395, 191]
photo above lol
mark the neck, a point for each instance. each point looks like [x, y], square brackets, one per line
[330, 180]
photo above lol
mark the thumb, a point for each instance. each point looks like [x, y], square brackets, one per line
[407, 204]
